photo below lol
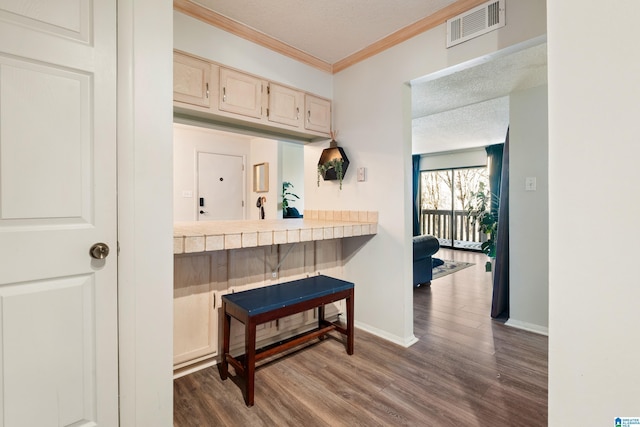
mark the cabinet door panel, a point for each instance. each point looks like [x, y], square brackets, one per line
[194, 320]
[191, 78]
[240, 93]
[317, 114]
[285, 105]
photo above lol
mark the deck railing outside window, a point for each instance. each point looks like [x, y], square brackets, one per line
[439, 223]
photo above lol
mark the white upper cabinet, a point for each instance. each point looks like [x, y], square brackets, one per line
[240, 93]
[191, 80]
[285, 105]
[212, 91]
[317, 114]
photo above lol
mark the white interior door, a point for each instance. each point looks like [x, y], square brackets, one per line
[58, 305]
[220, 187]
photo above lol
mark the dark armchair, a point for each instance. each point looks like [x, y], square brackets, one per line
[423, 248]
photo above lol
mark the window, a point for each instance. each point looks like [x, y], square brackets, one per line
[445, 196]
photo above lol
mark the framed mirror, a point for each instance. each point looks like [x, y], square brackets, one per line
[261, 177]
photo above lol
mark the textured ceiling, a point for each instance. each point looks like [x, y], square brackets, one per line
[497, 77]
[329, 30]
[470, 108]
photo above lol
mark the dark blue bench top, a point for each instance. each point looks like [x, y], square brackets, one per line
[261, 300]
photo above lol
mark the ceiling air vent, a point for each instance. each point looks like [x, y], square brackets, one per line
[475, 22]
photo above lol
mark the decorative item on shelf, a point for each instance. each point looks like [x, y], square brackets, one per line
[479, 212]
[287, 197]
[333, 162]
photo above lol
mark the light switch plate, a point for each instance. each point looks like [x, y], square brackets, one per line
[362, 174]
[530, 183]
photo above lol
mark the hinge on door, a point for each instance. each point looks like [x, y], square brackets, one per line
[243, 203]
[267, 112]
[214, 301]
[268, 90]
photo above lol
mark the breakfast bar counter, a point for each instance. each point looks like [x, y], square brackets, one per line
[204, 236]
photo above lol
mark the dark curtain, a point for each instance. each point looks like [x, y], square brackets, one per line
[494, 154]
[500, 301]
[416, 194]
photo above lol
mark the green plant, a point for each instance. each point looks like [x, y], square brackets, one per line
[287, 196]
[335, 164]
[479, 212]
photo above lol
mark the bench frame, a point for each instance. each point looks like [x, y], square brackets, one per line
[245, 365]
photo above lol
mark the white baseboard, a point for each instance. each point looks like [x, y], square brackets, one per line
[190, 369]
[531, 327]
[385, 335]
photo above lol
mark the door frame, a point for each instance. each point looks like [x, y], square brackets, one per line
[145, 212]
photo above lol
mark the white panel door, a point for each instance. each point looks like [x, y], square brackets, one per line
[58, 305]
[220, 187]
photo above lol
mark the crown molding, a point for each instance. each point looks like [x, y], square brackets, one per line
[248, 33]
[404, 34]
[210, 17]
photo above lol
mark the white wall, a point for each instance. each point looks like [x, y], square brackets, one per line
[529, 210]
[594, 287]
[454, 159]
[372, 112]
[188, 140]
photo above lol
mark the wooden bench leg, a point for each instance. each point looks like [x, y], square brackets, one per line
[350, 326]
[250, 361]
[321, 316]
[224, 363]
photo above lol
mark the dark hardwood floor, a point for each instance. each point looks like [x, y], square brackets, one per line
[466, 370]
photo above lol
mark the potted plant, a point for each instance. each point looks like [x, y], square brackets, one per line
[287, 196]
[333, 162]
[479, 212]
[334, 165]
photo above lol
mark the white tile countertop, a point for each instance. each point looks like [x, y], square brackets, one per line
[203, 236]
